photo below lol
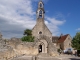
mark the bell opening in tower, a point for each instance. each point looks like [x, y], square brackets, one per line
[40, 14]
[40, 5]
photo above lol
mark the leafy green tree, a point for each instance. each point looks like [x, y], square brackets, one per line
[28, 36]
[27, 39]
[76, 41]
[28, 32]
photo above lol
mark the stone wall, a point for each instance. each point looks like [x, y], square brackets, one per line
[7, 52]
[67, 42]
[15, 47]
[26, 48]
[52, 50]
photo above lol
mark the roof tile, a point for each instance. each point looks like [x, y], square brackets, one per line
[62, 38]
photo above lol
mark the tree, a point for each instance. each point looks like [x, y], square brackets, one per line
[27, 36]
[27, 39]
[76, 41]
[28, 32]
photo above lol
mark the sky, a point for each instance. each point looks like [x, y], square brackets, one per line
[61, 16]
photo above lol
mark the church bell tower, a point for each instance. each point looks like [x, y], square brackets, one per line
[40, 11]
[40, 30]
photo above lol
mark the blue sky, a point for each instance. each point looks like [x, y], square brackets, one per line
[68, 10]
[62, 16]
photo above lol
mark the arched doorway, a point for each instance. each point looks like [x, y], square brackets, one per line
[40, 48]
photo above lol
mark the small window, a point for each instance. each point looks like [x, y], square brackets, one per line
[40, 32]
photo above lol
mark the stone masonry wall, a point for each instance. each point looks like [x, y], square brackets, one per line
[41, 27]
[15, 47]
[67, 42]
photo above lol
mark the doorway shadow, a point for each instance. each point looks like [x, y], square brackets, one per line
[40, 48]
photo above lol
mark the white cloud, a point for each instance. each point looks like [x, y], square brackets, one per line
[78, 29]
[55, 21]
[53, 24]
[17, 15]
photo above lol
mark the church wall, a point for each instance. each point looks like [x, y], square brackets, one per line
[40, 26]
[47, 32]
[52, 51]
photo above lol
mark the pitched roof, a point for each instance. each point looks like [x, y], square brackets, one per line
[62, 38]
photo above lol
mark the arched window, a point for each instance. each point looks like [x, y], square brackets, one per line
[40, 14]
[40, 5]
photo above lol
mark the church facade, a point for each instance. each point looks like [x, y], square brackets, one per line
[42, 34]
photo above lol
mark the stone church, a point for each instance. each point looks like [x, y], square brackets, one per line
[43, 36]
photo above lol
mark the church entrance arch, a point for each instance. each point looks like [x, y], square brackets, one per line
[42, 47]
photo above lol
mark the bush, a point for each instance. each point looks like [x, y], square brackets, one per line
[59, 50]
[27, 38]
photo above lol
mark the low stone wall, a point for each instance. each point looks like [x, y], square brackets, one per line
[6, 54]
[15, 47]
[9, 53]
[27, 49]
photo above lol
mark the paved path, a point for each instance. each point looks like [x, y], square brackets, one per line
[68, 57]
[23, 58]
[47, 58]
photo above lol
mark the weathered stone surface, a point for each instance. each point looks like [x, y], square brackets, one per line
[23, 58]
[7, 53]
[41, 27]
